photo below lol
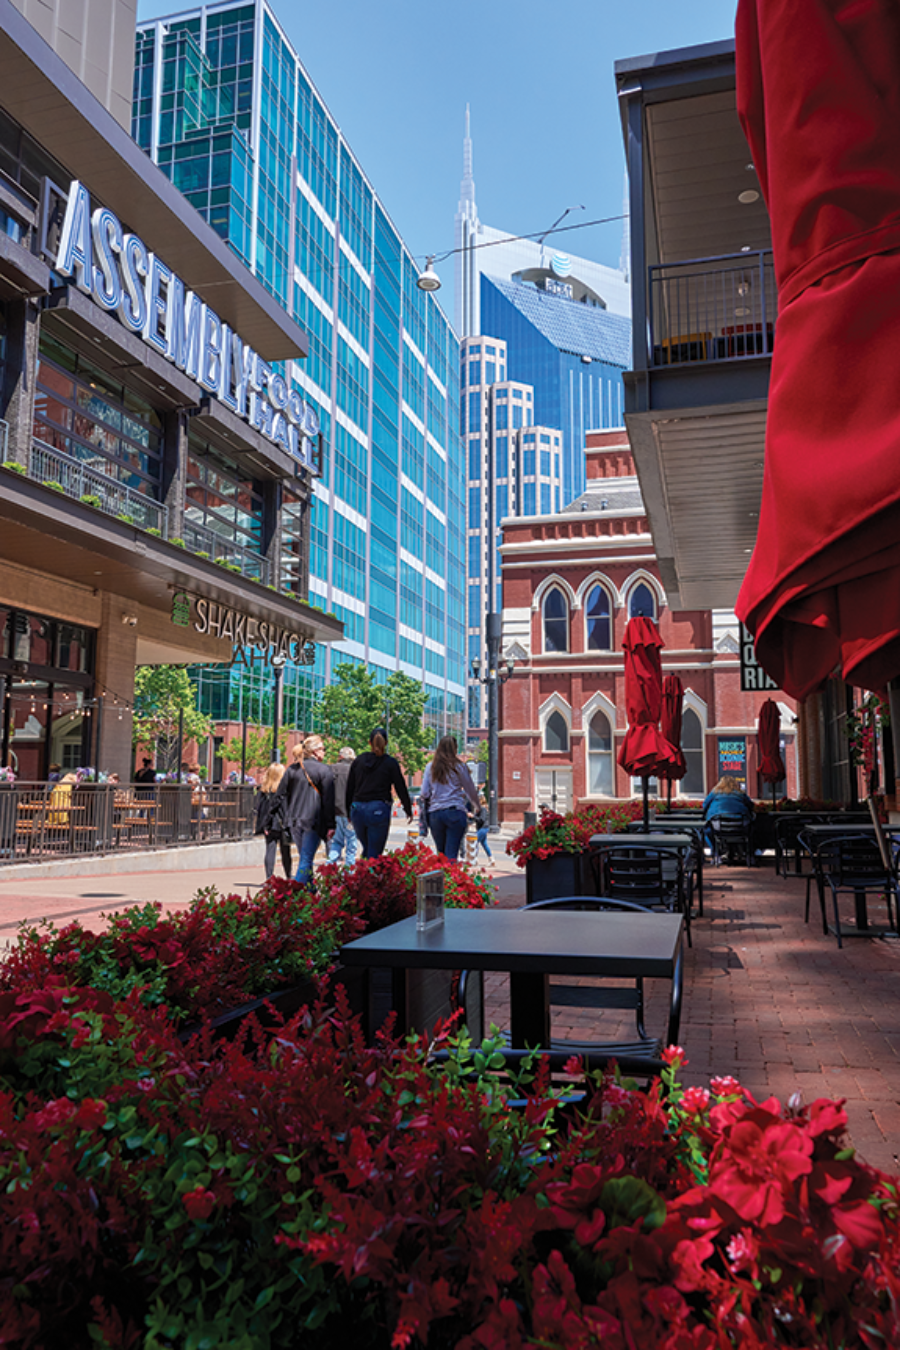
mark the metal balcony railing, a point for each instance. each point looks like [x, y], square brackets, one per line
[712, 309]
[75, 479]
[207, 543]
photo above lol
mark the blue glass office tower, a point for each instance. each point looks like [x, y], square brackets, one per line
[226, 108]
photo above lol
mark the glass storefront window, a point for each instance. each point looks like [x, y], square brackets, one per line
[81, 411]
[43, 717]
[220, 501]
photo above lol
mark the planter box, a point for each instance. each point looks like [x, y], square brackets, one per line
[286, 1002]
[429, 995]
[561, 874]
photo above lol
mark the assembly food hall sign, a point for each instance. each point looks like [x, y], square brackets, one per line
[123, 276]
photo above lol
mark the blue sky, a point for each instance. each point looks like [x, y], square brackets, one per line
[397, 74]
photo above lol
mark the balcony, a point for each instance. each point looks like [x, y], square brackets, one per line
[711, 309]
[75, 479]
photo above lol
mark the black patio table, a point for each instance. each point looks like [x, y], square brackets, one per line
[532, 946]
[664, 840]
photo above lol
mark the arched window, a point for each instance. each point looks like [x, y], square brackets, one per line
[556, 734]
[596, 618]
[692, 784]
[600, 756]
[642, 602]
[556, 621]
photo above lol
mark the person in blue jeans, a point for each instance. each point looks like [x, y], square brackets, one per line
[344, 837]
[372, 778]
[481, 827]
[447, 791]
[307, 790]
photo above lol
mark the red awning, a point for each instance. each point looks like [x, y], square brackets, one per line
[645, 751]
[818, 88]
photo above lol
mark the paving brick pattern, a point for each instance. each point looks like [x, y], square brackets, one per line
[775, 1002]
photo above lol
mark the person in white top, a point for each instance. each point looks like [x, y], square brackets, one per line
[447, 789]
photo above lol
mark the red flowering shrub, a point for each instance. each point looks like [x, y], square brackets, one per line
[572, 832]
[329, 1193]
[225, 950]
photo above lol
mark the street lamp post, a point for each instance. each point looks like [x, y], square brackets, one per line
[278, 663]
[497, 673]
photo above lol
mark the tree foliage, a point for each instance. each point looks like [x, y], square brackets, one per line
[259, 747]
[353, 705]
[163, 695]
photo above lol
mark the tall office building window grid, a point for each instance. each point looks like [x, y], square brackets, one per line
[225, 106]
[513, 468]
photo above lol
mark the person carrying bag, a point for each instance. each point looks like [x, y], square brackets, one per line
[307, 794]
[270, 821]
[447, 790]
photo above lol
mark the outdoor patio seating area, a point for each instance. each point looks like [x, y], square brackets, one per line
[772, 1000]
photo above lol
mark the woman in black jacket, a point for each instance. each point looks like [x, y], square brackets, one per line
[372, 776]
[307, 790]
[270, 821]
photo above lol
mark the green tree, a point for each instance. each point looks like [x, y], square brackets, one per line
[163, 696]
[353, 705]
[259, 747]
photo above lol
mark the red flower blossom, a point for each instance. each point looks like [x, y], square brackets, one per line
[199, 1203]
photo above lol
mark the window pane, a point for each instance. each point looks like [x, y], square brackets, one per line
[641, 602]
[600, 760]
[556, 622]
[556, 734]
[692, 744]
[598, 626]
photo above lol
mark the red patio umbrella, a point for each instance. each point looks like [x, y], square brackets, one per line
[768, 744]
[818, 92]
[645, 751]
[670, 725]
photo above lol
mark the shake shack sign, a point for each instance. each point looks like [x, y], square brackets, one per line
[243, 631]
[119, 272]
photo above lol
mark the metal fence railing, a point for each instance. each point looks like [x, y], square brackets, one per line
[39, 821]
[712, 309]
[207, 543]
[76, 479]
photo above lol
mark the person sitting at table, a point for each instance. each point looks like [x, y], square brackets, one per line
[146, 774]
[447, 789]
[726, 799]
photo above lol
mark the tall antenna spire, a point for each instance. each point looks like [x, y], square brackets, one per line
[467, 186]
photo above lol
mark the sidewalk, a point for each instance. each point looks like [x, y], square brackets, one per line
[767, 997]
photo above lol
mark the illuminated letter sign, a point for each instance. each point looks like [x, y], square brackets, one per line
[119, 272]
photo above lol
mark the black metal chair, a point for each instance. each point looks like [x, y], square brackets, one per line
[600, 997]
[853, 863]
[643, 875]
[807, 850]
[731, 841]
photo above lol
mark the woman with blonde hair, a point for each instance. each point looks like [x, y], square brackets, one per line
[307, 794]
[270, 821]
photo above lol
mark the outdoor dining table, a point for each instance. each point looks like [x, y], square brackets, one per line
[664, 840]
[531, 946]
[693, 825]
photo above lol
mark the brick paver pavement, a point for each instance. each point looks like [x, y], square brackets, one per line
[775, 1002]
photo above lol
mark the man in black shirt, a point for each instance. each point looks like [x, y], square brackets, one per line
[344, 837]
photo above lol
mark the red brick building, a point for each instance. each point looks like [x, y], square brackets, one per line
[570, 583]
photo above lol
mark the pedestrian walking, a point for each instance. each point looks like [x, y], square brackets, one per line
[481, 828]
[270, 821]
[447, 790]
[344, 838]
[307, 790]
[373, 775]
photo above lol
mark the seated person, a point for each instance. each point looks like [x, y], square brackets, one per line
[726, 799]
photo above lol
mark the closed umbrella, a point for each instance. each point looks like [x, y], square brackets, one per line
[645, 751]
[670, 725]
[768, 744]
[818, 93]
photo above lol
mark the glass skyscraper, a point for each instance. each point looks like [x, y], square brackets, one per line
[226, 108]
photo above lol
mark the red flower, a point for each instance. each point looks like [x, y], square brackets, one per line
[694, 1100]
[725, 1086]
[91, 1115]
[675, 1055]
[199, 1203]
[761, 1158]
